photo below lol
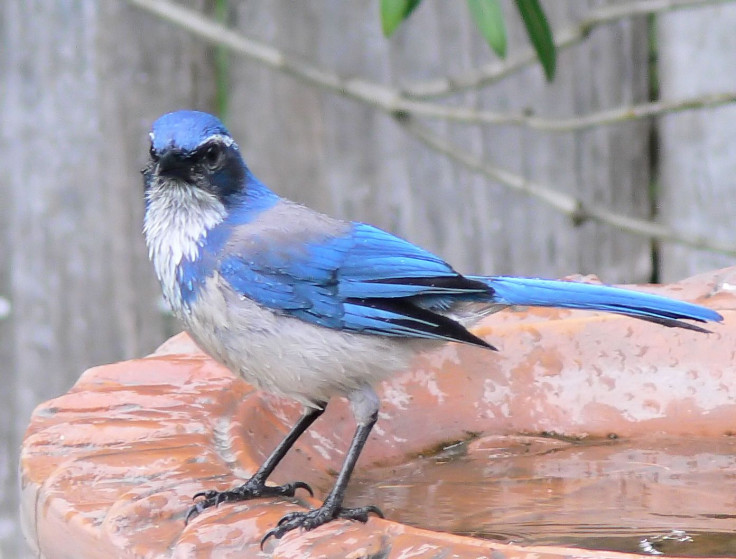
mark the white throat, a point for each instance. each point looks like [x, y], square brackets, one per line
[178, 218]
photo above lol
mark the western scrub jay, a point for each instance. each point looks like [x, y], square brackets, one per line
[310, 307]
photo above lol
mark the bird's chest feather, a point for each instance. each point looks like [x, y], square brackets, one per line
[285, 355]
[178, 226]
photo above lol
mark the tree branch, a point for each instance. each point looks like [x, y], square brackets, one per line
[389, 101]
[568, 205]
[493, 73]
[625, 114]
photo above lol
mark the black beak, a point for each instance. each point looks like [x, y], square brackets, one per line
[174, 164]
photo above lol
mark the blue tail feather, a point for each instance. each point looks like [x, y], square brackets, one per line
[574, 295]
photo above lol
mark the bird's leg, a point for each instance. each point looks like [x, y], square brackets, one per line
[365, 408]
[256, 486]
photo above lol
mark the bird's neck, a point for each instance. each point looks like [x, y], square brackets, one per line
[246, 205]
[177, 222]
[186, 227]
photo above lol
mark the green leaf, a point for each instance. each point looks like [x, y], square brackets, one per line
[393, 12]
[488, 16]
[539, 34]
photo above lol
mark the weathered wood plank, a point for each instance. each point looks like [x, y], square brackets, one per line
[698, 153]
[348, 160]
[81, 82]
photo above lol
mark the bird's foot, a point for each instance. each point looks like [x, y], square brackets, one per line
[249, 490]
[316, 517]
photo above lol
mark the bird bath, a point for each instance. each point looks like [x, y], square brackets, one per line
[585, 432]
[650, 495]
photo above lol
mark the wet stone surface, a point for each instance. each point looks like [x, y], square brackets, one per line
[649, 495]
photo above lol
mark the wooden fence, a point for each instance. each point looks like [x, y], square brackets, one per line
[558, 189]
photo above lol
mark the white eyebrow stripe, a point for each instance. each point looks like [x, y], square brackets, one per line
[226, 140]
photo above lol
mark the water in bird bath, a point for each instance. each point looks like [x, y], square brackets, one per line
[672, 496]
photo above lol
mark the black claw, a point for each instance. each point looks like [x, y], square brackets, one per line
[359, 514]
[317, 517]
[302, 485]
[270, 533]
[250, 490]
[206, 494]
[287, 517]
[375, 510]
[193, 512]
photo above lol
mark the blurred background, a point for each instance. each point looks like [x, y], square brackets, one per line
[623, 166]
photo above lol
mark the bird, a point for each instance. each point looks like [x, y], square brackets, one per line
[310, 307]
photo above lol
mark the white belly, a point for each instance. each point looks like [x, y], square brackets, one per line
[288, 356]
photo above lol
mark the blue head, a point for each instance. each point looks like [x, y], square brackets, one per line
[197, 189]
[194, 149]
[185, 131]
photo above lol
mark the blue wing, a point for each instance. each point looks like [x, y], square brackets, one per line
[359, 278]
[365, 280]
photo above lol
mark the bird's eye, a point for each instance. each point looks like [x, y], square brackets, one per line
[212, 157]
[152, 153]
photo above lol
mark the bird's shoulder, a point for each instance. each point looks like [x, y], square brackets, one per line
[293, 239]
[346, 275]
[283, 227]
